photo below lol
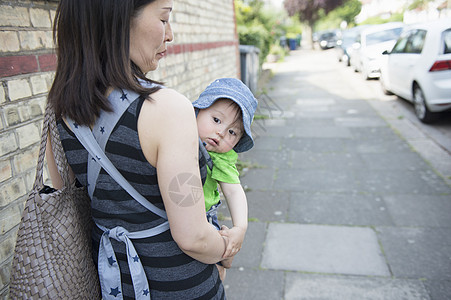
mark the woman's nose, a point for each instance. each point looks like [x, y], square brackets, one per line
[169, 34]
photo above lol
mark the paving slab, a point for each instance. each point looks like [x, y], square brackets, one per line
[316, 145]
[266, 143]
[268, 158]
[395, 182]
[242, 283]
[339, 209]
[407, 160]
[299, 180]
[324, 249]
[314, 287]
[327, 161]
[417, 252]
[389, 146]
[420, 210]
[258, 179]
[309, 122]
[268, 206]
[375, 134]
[439, 289]
[360, 122]
[325, 131]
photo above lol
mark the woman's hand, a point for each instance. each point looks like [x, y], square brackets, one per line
[227, 263]
[235, 237]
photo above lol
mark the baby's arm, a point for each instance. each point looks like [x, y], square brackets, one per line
[237, 203]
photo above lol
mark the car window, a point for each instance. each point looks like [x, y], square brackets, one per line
[447, 40]
[400, 45]
[383, 36]
[415, 42]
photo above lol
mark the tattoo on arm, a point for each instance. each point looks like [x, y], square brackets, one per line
[185, 189]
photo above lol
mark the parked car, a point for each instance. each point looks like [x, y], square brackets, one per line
[344, 44]
[418, 68]
[370, 44]
[328, 39]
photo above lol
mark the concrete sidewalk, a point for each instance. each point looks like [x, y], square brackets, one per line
[340, 205]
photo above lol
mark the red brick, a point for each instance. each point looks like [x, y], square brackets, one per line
[15, 65]
[47, 62]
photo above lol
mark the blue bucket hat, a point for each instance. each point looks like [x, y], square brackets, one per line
[235, 90]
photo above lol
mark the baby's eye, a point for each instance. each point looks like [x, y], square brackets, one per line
[164, 21]
[232, 132]
[216, 120]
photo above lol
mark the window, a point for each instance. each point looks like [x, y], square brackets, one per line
[383, 36]
[415, 42]
[400, 45]
[447, 41]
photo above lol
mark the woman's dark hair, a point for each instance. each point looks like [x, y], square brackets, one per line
[92, 40]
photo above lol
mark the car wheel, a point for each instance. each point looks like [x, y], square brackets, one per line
[421, 110]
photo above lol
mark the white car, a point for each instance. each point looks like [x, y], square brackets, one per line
[418, 68]
[370, 44]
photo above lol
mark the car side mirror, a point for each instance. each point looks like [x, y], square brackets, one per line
[386, 52]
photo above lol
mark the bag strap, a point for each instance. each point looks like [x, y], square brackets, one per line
[50, 129]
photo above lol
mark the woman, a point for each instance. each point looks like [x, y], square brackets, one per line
[105, 48]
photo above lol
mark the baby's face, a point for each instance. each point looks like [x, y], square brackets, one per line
[217, 126]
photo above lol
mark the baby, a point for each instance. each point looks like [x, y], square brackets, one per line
[225, 111]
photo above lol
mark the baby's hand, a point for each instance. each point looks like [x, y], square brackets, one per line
[235, 239]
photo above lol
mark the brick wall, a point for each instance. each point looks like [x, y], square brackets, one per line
[205, 47]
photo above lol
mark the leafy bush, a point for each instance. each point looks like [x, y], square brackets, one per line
[255, 35]
[257, 26]
[278, 51]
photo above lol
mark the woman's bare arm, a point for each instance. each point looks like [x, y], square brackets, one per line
[168, 135]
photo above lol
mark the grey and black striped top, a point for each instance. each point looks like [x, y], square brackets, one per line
[171, 273]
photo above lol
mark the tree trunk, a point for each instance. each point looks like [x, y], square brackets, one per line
[307, 35]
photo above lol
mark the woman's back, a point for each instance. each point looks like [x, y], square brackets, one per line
[170, 272]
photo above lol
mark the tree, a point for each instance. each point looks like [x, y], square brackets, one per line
[346, 12]
[257, 26]
[308, 11]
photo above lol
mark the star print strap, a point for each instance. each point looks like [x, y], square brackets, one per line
[119, 102]
[109, 272]
[84, 135]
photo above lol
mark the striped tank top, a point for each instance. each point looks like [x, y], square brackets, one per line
[171, 273]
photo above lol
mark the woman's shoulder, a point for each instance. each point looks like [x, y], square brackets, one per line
[167, 96]
[167, 104]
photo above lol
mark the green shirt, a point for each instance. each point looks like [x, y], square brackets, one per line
[224, 170]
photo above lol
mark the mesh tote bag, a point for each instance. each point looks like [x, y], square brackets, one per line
[53, 258]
